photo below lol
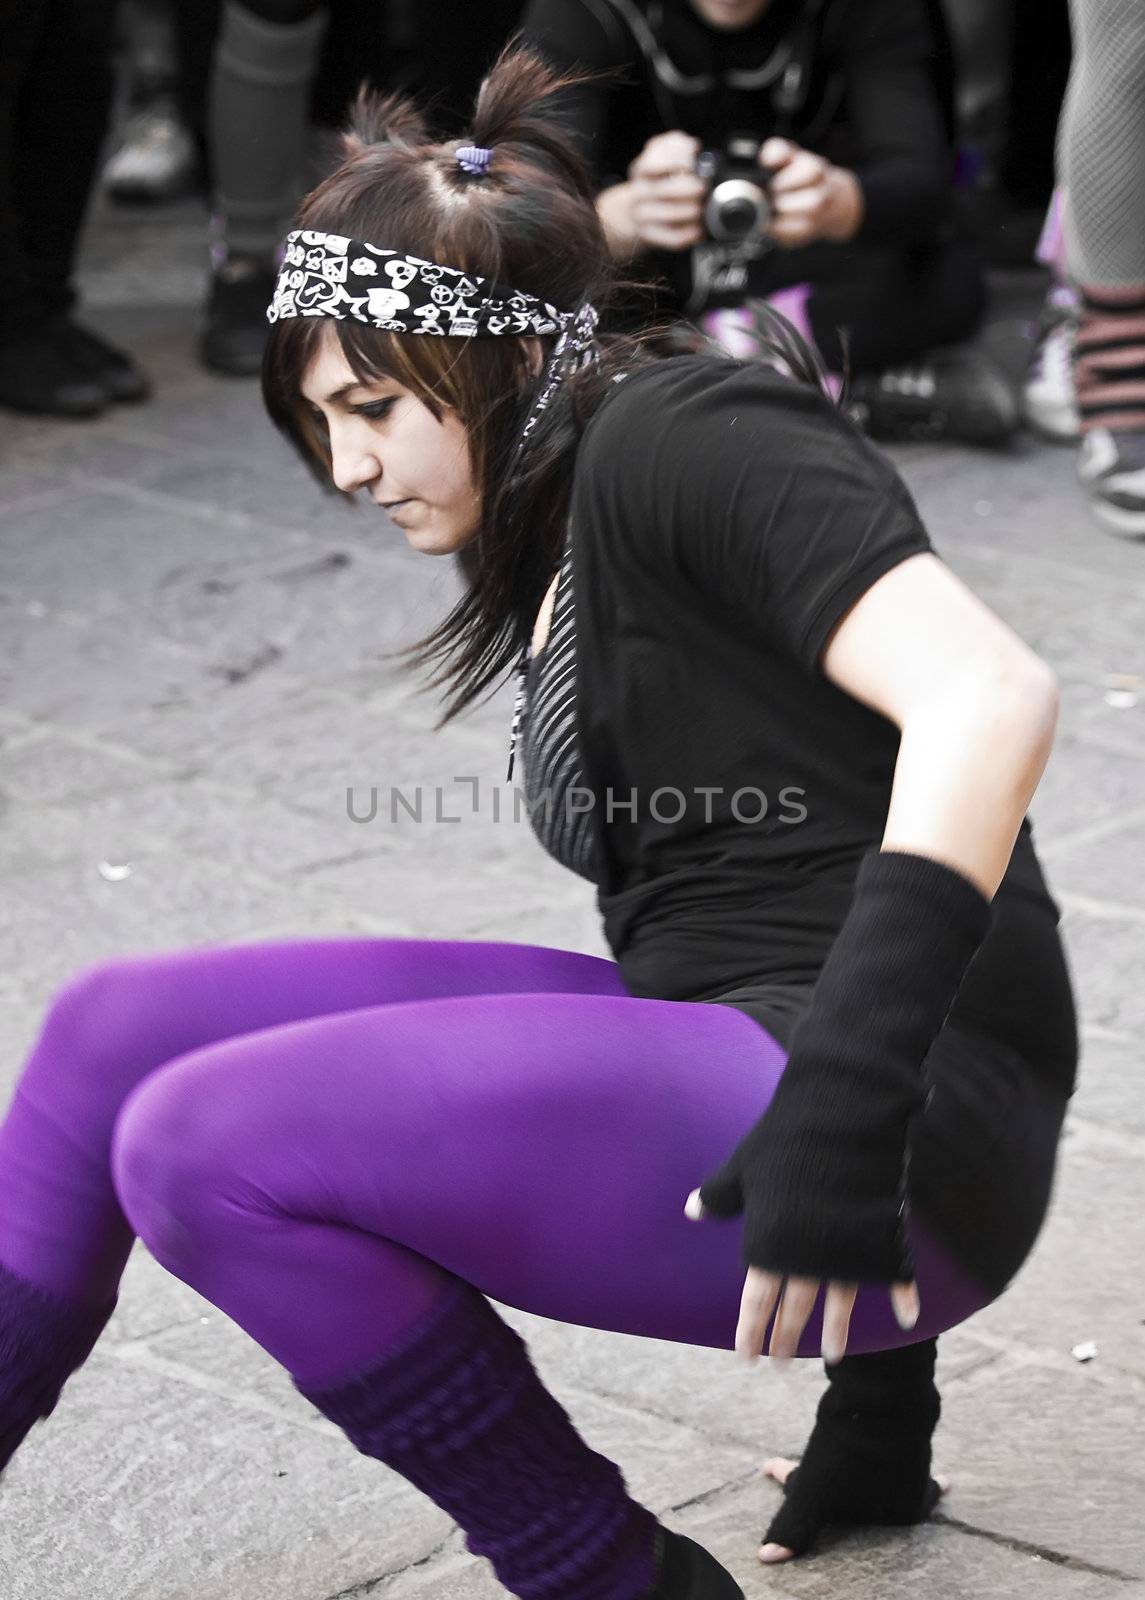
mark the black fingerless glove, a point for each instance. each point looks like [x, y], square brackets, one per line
[820, 1177]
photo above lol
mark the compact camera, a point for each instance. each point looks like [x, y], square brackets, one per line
[738, 207]
[736, 215]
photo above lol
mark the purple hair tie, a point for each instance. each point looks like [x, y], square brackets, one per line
[473, 158]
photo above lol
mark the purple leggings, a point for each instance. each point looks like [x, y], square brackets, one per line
[316, 1134]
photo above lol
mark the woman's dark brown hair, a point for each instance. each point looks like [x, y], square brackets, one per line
[530, 223]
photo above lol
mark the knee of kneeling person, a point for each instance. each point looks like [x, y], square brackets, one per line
[169, 1157]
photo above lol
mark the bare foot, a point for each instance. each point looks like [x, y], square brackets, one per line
[780, 1468]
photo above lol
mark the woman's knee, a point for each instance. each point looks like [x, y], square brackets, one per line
[173, 1151]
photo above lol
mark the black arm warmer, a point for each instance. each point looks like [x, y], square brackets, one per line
[820, 1177]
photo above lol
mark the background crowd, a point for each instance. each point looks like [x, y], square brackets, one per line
[870, 168]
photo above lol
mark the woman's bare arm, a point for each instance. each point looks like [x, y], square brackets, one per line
[976, 707]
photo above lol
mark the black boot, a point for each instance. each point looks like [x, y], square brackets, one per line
[686, 1571]
[956, 395]
[868, 1458]
[113, 370]
[41, 378]
[235, 330]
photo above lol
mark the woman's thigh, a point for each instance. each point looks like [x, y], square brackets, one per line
[116, 1023]
[540, 1146]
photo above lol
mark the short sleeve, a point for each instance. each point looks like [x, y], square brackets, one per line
[752, 489]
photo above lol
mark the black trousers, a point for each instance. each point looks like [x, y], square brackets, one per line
[55, 100]
[871, 307]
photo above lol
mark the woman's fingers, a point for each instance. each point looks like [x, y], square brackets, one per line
[796, 1306]
[757, 1302]
[837, 1307]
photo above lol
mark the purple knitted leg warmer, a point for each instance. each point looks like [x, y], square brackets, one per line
[43, 1339]
[460, 1411]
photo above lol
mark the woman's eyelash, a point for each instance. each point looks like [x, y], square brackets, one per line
[376, 409]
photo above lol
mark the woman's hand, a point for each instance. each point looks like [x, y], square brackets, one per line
[810, 198]
[761, 1295]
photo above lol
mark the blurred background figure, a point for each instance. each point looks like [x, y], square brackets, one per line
[55, 101]
[278, 65]
[156, 158]
[845, 109]
[1087, 381]
[1013, 59]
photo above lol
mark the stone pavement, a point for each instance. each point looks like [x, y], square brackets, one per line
[192, 675]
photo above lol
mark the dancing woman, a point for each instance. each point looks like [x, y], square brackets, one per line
[838, 1002]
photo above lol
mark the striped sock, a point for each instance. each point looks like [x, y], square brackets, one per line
[1109, 369]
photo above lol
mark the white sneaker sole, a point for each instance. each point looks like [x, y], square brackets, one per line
[1127, 524]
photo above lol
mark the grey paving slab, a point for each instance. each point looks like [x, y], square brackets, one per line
[1085, 785]
[1086, 624]
[307, 743]
[768, 1411]
[61, 918]
[1109, 1086]
[1104, 945]
[1014, 1434]
[41, 767]
[1082, 1282]
[937, 1559]
[1027, 502]
[161, 822]
[190, 1494]
[101, 552]
[67, 670]
[1106, 861]
[323, 610]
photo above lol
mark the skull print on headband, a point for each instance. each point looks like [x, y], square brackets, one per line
[330, 275]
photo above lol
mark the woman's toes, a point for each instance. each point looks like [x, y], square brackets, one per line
[778, 1467]
[772, 1553]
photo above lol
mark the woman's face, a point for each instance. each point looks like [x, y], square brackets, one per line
[385, 440]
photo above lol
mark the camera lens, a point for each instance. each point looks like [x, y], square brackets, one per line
[736, 209]
[738, 217]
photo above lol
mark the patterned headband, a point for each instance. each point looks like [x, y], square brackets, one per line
[328, 275]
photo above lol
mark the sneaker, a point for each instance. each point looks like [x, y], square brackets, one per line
[1111, 466]
[235, 330]
[114, 371]
[952, 394]
[38, 376]
[156, 160]
[1049, 399]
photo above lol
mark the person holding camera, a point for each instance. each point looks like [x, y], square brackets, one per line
[800, 151]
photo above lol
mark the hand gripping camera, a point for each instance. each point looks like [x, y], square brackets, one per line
[738, 206]
[736, 215]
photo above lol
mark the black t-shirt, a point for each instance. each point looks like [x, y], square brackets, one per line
[875, 95]
[724, 518]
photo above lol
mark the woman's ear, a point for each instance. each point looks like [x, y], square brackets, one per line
[534, 356]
